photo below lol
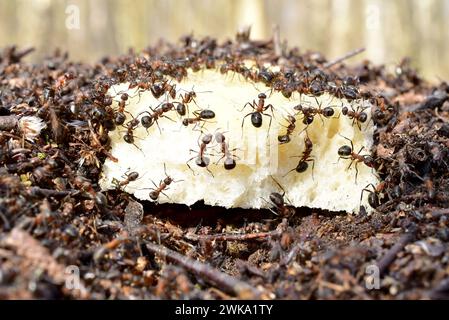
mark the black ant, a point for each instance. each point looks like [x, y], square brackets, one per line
[356, 115]
[200, 115]
[373, 195]
[290, 128]
[278, 200]
[229, 162]
[347, 152]
[151, 118]
[129, 177]
[259, 109]
[304, 158]
[163, 185]
[201, 160]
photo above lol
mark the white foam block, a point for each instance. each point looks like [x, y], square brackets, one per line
[330, 185]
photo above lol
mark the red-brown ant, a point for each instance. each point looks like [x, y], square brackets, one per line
[129, 177]
[290, 128]
[357, 116]
[373, 195]
[347, 152]
[120, 114]
[201, 160]
[305, 157]
[151, 118]
[163, 185]
[129, 135]
[282, 209]
[63, 80]
[310, 112]
[259, 109]
[229, 162]
[200, 115]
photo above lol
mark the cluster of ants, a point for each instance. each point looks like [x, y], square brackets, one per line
[259, 109]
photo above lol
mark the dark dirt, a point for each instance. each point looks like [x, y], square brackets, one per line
[53, 215]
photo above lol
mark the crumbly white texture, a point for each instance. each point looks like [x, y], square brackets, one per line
[331, 186]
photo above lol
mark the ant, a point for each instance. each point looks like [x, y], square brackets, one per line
[278, 200]
[120, 114]
[373, 195]
[304, 158]
[63, 80]
[259, 109]
[200, 115]
[151, 118]
[290, 128]
[201, 160]
[163, 185]
[129, 177]
[188, 97]
[129, 135]
[356, 115]
[229, 162]
[347, 152]
[310, 112]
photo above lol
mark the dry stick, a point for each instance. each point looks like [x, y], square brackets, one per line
[390, 255]
[348, 55]
[233, 236]
[277, 40]
[8, 122]
[208, 273]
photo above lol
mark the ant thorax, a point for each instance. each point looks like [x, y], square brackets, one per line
[222, 133]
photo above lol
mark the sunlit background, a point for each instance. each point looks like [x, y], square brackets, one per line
[389, 30]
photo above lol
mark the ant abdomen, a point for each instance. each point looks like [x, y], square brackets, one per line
[284, 139]
[256, 119]
[301, 167]
[344, 151]
[146, 121]
[202, 161]
[229, 164]
[207, 114]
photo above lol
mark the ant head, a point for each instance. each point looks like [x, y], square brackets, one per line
[168, 180]
[262, 96]
[344, 110]
[302, 166]
[328, 112]
[291, 118]
[344, 150]
[185, 122]
[124, 96]
[229, 164]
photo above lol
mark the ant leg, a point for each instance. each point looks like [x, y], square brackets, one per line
[269, 125]
[187, 163]
[252, 105]
[313, 167]
[274, 212]
[243, 121]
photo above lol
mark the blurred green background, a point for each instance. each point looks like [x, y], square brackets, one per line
[89, 30]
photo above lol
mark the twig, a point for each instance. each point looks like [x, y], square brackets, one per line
[39, 192]
[277, 40]
[348, 55]
[8, 122]
[227, 283]
[233, 236]
[390, 255]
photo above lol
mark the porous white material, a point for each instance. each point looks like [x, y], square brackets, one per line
[330, 185]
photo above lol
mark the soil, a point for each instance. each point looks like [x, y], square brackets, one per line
[55, 223]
